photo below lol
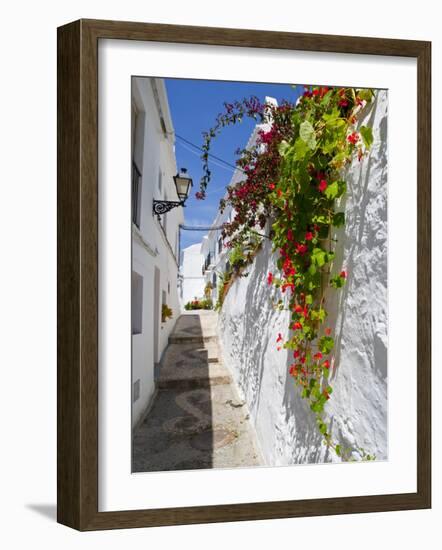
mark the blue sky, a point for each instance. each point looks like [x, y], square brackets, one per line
[194, 105]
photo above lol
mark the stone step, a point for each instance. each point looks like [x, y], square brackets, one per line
[187, 376]
[190, 353]
[181, 338]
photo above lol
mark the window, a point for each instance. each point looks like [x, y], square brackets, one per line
[137, 146]
[220, 245]
[160, 183]
[136, 390]
[137, 303]
[136, 195]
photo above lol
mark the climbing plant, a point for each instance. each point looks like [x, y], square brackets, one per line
[293, 185]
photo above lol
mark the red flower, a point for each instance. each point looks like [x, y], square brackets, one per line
[271, 186]
[326, 364]
[297, 326]
[293, 370]
[353, 138]
[200, 195]
[296, 353]
[285, 286]
[298, 309]
[302, 359]
[301, 248]
[317, 356]
[322, 185]
[290, 235]
[279, 192]
[270, 278]
[328, 331]
[343, 274]
[308, 236]
[279, 339]
[343, 103]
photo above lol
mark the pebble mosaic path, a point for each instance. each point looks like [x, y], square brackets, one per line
[196, 419]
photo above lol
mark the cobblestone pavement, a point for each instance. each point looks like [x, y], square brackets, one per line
[196, 419]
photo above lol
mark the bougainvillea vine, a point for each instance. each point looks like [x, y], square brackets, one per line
[293, 185]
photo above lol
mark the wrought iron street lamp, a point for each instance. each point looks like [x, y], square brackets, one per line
[183, 183]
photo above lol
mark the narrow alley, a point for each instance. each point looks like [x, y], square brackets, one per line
[196, 419]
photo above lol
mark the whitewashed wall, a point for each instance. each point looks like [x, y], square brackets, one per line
[248, 328]
[154, 244]
[193, 282]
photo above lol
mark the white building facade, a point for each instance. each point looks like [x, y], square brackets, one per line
[192, 281]
[155, 243]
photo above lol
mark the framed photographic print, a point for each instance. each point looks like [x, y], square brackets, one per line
[243, 275]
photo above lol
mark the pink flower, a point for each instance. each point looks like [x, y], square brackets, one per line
[271, 186]
[200, 195]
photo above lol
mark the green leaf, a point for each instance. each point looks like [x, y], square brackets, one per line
[326, 344]
[366, 94]
[339, 219]
[322, 427]
[367, 136]
[301, 149]
[326, 99]
[337, 281]
[307, 134]
[338, 450]
[282, 147]
[309, 299]
[332, 190]
[321, 219]
[331, 118]
[318, 257]
[318, 314]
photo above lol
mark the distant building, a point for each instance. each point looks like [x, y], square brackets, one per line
[155, 243]
[192, 278]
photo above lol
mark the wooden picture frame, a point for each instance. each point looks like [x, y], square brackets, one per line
[77, 225]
